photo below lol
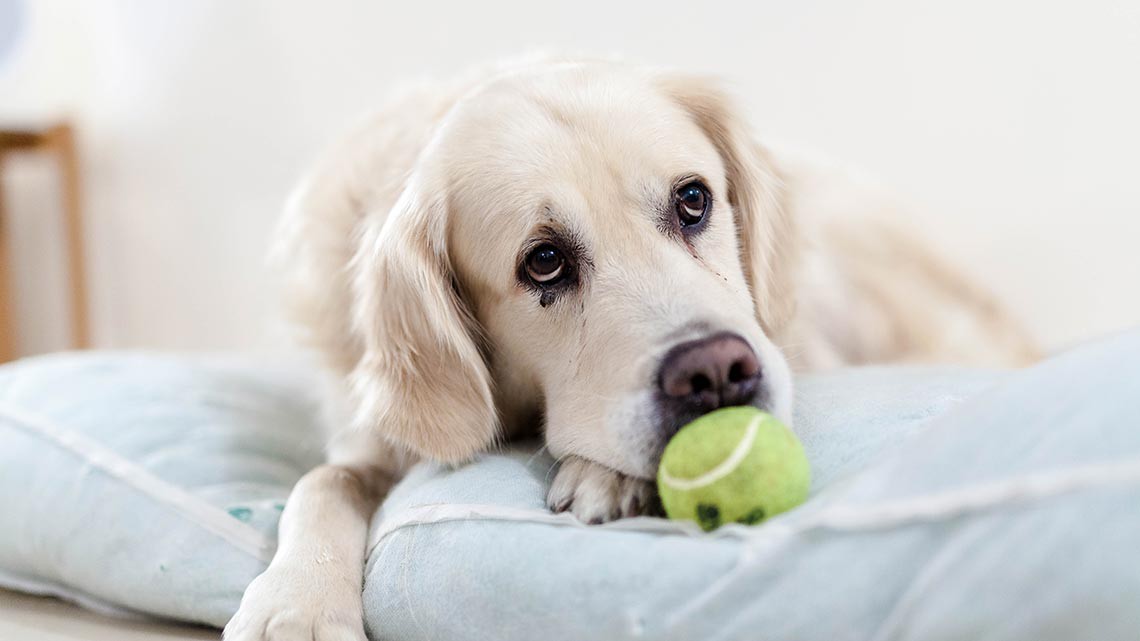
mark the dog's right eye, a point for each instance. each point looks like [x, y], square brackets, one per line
[545, 264]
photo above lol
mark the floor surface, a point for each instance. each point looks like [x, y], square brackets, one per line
[31, 618]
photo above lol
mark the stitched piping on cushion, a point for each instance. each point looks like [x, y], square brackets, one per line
[207, 516]
[932, 507]
[952, 503]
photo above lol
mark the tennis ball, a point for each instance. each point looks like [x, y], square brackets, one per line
[736, 464]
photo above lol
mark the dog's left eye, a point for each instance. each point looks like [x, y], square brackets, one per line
[692, 203]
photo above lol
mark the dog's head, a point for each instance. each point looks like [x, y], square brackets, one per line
[593, 244]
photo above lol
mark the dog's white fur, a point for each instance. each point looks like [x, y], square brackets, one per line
[405, 246]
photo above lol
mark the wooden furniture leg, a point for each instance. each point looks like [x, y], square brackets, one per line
[7, 312]
[63, 139]
[60, 142]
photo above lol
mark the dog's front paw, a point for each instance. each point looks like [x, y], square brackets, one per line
[286, 604]
[596, 494]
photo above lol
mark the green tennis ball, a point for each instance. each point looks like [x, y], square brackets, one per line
[734, 465]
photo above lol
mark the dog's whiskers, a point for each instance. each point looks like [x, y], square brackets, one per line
[537, 454]
[555, 464]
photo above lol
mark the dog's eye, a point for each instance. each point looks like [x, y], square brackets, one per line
[545, 264]
[692, 203]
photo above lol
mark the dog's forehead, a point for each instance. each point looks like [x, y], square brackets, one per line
[574, 127]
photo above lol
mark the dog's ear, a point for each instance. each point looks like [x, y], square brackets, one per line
[422, 381]
[768, 243]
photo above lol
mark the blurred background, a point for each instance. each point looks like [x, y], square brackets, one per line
[1011, 128]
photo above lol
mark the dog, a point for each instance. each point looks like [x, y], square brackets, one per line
[598, 249]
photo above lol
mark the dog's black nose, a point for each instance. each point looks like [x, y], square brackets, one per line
[702, 375]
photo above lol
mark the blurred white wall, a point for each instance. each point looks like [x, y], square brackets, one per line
[1012, 126]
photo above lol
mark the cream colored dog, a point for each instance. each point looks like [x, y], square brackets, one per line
[599, 249]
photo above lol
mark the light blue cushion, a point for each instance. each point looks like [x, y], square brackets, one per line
[945, 503]
[147, 483]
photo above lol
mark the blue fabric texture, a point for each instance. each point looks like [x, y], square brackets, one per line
[946, 504]
[147, 483]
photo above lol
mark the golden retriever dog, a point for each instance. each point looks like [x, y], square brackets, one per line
[592, 250]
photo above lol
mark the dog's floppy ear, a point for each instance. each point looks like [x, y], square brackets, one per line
[768, 244]
[421, 381]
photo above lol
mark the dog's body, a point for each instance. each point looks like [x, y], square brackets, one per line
[596, 248]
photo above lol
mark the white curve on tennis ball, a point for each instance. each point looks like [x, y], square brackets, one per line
[723, 469]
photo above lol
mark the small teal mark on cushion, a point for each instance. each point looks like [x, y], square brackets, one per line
[162, 567]
[243, 514]
[279, 507]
